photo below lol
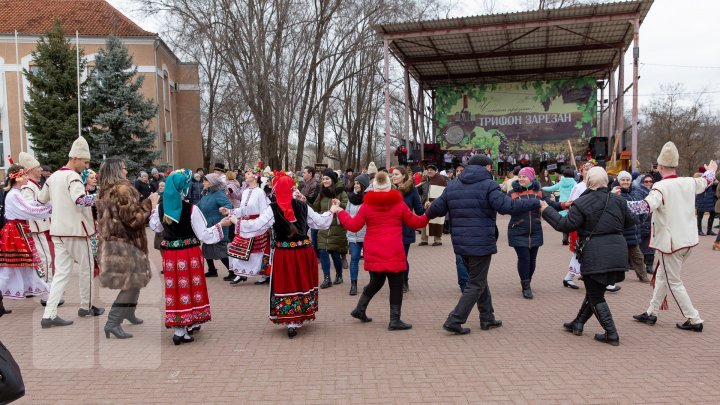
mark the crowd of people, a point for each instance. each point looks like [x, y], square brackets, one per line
[280, 227]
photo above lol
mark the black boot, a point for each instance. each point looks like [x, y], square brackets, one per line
[130, 315]
[212, 271]
[526, 291]
[576, 326]
[115, 317]
[353, 287]
[3, 311]
[602, 312]
[359, 311]
[395, 322]
[229, 277]
[338, 279]
[326, 282]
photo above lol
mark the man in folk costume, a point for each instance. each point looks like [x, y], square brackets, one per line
[71, 226]
[672, 203]
[39, 229]
[432, 189]
[250, 256]
[294, 277]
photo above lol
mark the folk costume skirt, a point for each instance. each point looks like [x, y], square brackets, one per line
[294, 283]
[20, 266]
[186, 297]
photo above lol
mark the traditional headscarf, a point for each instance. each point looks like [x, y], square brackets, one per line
[176, 188]
[597, 178]
[85, 174]
[283, 189]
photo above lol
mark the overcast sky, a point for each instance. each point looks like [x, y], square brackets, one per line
[676, 43]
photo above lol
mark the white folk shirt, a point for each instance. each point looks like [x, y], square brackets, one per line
[672, 202]
[63, 188]
[17, 207]
[30, 192]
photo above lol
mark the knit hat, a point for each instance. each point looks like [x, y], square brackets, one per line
[480, 160]
[80, 149]
[214, 179]
[154, 171]
[331, 173]
[529, 172]
[669, 155]
[381, 182]
[372, 169]
[364, 180]
[624, 175]
[27, 161]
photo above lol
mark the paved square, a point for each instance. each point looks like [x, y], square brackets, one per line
[240, 357]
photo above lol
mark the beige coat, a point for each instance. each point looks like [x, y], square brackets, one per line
[30, 192]
[672, 202]
[62, 189]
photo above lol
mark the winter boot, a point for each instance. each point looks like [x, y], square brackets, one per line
[326, 282]
[338, 279]
[526, 291]
[353, 287]
[576, 326]
[3, 311]
[115, 317]
[130, 315]
[359, 311]
[395, 322]
[602, 312]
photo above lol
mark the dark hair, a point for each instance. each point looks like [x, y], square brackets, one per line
[433, 167]
[516, 170]
[14, 168]
[310, 170]
[404, 173]
[198, 169]
[349, 169]
[568, 173]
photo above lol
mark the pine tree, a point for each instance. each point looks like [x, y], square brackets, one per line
[120, 113]
[52, 110]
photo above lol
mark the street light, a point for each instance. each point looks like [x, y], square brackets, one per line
[103, 146]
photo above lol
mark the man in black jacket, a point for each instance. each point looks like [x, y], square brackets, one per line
[473, 202]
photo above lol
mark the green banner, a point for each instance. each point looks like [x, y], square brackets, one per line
[525, 117]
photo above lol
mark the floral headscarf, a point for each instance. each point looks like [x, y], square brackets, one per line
[85, 174]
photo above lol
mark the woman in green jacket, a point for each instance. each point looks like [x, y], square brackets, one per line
[332, 242]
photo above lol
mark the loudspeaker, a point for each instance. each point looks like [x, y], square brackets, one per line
[598, 147]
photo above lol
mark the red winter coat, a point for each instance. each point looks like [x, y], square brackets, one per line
[383, 213]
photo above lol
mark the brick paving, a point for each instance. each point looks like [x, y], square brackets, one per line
[240, 357]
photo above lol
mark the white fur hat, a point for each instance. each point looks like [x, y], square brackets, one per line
[669, 156]
[80, 149]
[27, 161]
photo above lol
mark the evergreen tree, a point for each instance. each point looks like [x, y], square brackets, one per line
[52, 110]
[120, 113]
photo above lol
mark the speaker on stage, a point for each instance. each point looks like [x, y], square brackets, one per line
[598, 147]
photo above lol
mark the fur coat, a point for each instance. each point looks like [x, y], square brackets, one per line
[123, 247]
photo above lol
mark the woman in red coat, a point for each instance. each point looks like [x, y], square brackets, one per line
[383, 212]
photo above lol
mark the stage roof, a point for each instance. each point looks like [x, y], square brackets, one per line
[582, 41]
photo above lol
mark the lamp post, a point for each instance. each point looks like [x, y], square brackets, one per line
[103, 146]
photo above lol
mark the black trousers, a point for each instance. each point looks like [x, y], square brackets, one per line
[594, 291]
[711, 219]
[377, 280]
[476, 293]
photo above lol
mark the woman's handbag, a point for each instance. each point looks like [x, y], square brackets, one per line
[12, 386]
[579, 246]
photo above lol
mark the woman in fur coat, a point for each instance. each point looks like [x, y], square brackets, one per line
[122, 247]
[383, 212]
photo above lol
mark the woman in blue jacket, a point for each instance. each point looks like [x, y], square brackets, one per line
[565, 186]
[525, 230]
[705, 202]
[405, 184]
[213, 198]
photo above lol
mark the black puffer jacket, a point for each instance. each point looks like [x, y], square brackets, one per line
[525, 228]
[606, 251]
[631, 233]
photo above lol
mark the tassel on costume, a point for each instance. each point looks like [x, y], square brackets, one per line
[664, 306]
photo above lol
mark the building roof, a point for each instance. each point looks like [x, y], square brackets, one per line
[582, 41]
[88, 17]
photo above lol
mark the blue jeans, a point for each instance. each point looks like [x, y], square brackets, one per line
[355, 251]
[406, 273]
[462, 272]
[314, 236]
[325, 261]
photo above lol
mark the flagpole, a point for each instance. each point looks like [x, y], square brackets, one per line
[19, 94]
[77, 52]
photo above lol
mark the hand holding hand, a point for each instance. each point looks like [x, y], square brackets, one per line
[428, 204]
[335, 201]
[225, 222]
[335, 208]
[300, 197]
